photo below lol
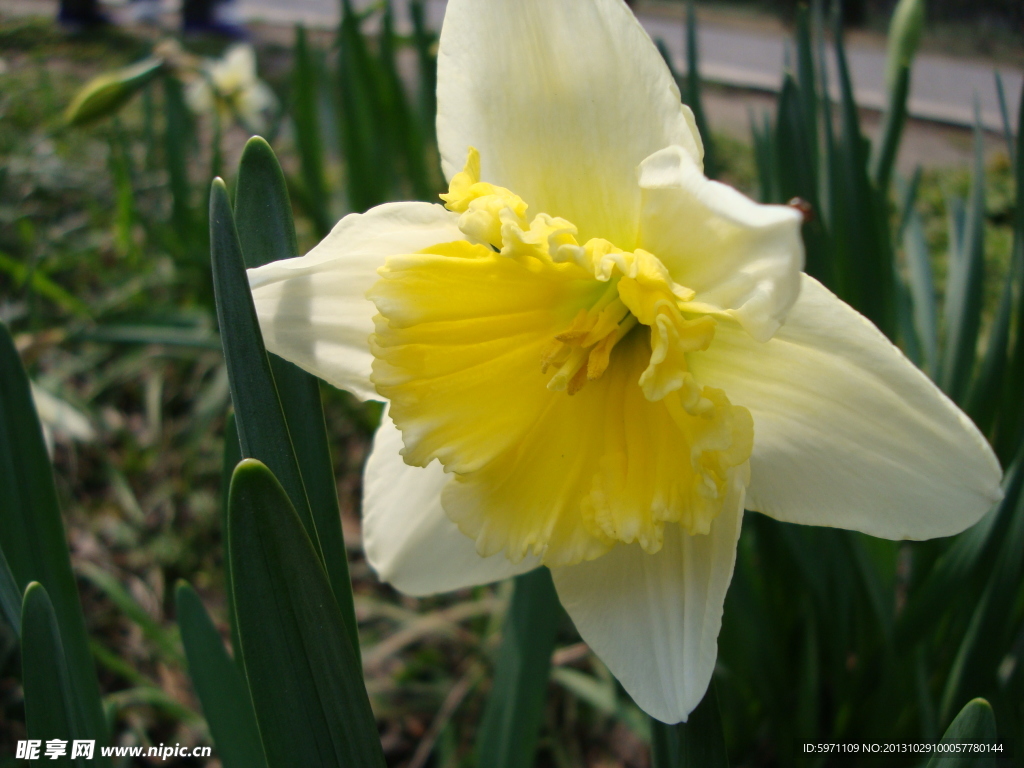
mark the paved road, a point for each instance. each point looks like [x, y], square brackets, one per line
[943, 88]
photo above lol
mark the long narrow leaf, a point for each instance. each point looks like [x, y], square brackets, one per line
[988, 635]
[232, 455]
[697, 743]
[219, 685]
[50, 707]
[692, 93]
[308, 139]
[266, 233]
[32, 531]
[892, 131]
[305, 679]
[859, 214]
[1011, 425]
[922, 290]
[10, 604]
[262, 430]
[964, 291]
[976, 724]
[515, 708]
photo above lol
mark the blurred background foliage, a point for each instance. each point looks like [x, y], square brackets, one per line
[107, 288]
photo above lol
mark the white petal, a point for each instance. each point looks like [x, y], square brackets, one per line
[409, 541]
[313, 309]
[563, 99]
[654, 619]
[848, 433]
[737, 255]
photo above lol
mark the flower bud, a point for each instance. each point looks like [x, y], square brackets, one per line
[107, 93]
[904, 35]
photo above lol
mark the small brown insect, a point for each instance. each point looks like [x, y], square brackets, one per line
[805, 208]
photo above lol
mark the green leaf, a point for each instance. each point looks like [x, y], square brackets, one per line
[10, 605]
[764, 157]
[308, 139]
[263, 211]
[988, 635]
[305, 679]
[922, 291]
[50, 711]
[232, 455]
[859, 214]
[425, 42]
[262, 430]
[971, 553]
[976, 724]
[965, 286]
[892, 130]
[692, 92]
[178, 138]
[409, 137]
[795, 173]
[365, 141]
[105, 94]
[1011, 422]
[982, 398]
[32, 531]
[697, 743]
[515, 707]
[221, 689]
[807, 81]
[1004, 112]
[266, 233]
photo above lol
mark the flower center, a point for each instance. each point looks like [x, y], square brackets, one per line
[479, 343]
[582, 351]
[637, 289]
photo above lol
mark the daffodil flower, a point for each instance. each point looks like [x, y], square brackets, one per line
[231, 86]
[594, 357]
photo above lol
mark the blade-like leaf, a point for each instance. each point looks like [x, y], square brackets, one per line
[50, 711]
[32, 530]
[408, 135]
[859, 214]
[305, 679]
[178, 135]
[515, 708]
[964, 289]
[976, 724]
[424, 40]
[263, 212]
[259, 418]
[892, 131]
[10, 605]
[232, 455]
[221, 689]
[971, 553]
[266, 233]
[308, 139]
[989, 633]
[692, 92]
[1011, 422]
[697, 743]
[922, 290]
[982, 398]
[1004, 112]
[363, 140]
